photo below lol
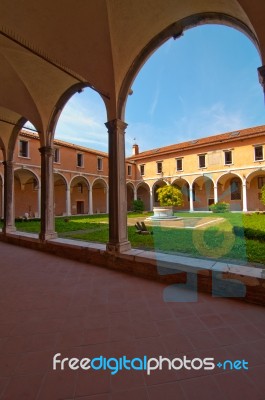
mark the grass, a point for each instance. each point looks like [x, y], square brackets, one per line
[216, 241]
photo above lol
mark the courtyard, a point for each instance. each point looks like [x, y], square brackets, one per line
[231, 237]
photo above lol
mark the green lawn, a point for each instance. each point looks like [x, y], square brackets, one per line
[215, 241]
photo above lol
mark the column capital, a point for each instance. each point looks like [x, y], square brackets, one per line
[261, 72]
[8, 163]
[46, 150]
[116, 124]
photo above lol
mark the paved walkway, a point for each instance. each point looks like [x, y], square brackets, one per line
[52, 305]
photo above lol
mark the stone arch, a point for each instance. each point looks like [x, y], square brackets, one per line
[229, 187]
[254, 182]
[203, 192]
[64, 98]
[60, 194]
[130, 195]
[26, 193]
[157, 184]
[176, 30]
[183, 185]
[79, 191]
[100, 196]
[143, 193]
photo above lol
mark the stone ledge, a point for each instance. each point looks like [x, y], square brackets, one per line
[214, 277]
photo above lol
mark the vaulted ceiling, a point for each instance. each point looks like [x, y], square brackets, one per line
[48, 47]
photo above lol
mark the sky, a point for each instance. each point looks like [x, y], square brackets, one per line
[201, 84]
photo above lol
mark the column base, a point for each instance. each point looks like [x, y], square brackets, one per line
[118, 247]
[47, 236]
[9, 229]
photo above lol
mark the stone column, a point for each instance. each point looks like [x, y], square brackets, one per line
[118, 236]
[107, 200]
[151, 200]
[191, 199]
[90, 201]
[68, 200]
[9, 220]
[215, 191]
[2, 200]
[47, 194]
[134, 193]
[39, 201]
[244, 187]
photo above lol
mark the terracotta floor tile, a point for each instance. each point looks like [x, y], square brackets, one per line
[34, 362]
[248, 332]
[169, 391]
[58, 385]
[177, 344]
[257, 377]
[24, 387]
[237, 386]
[92, 382]
[8, 364]
[134, 394]
[202, 339]
[3, 384]
[212, 321]
[202, 388]
[226, 336]
[50, 305]
[125, 380]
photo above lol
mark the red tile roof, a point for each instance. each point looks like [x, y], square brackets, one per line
[65, 144]
[202, 142]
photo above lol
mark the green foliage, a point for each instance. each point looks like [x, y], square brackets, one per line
[263, 194]
[138, 205]
[220, 207]
[169, 195]
[249, 233]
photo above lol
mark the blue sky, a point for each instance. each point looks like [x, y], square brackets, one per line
[201, 84]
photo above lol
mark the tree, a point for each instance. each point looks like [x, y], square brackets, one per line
[170, 195]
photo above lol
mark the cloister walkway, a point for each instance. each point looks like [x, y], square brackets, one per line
[52, 305]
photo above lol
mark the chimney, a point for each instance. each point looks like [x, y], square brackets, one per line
[135, 149]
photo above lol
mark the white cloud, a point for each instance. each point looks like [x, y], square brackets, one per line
[209, 121]
[155, 101]
[82, 122]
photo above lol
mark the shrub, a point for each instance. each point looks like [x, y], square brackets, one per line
[138, 205]
[249, 233]
[220, 207]
[169, 195]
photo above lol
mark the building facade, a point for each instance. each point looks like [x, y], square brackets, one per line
[229, 167]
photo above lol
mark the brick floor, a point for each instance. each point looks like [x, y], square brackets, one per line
[52, 305]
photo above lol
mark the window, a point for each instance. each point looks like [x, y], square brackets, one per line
[235, 189]
[261, 181]
[142, 169]
[228, 157]
[23, 148]
[202, 160]
[129, 170]
[179, 164]
[258, 153]
[80, 160]
[159, 165]
[57, 155]
[100, 164]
